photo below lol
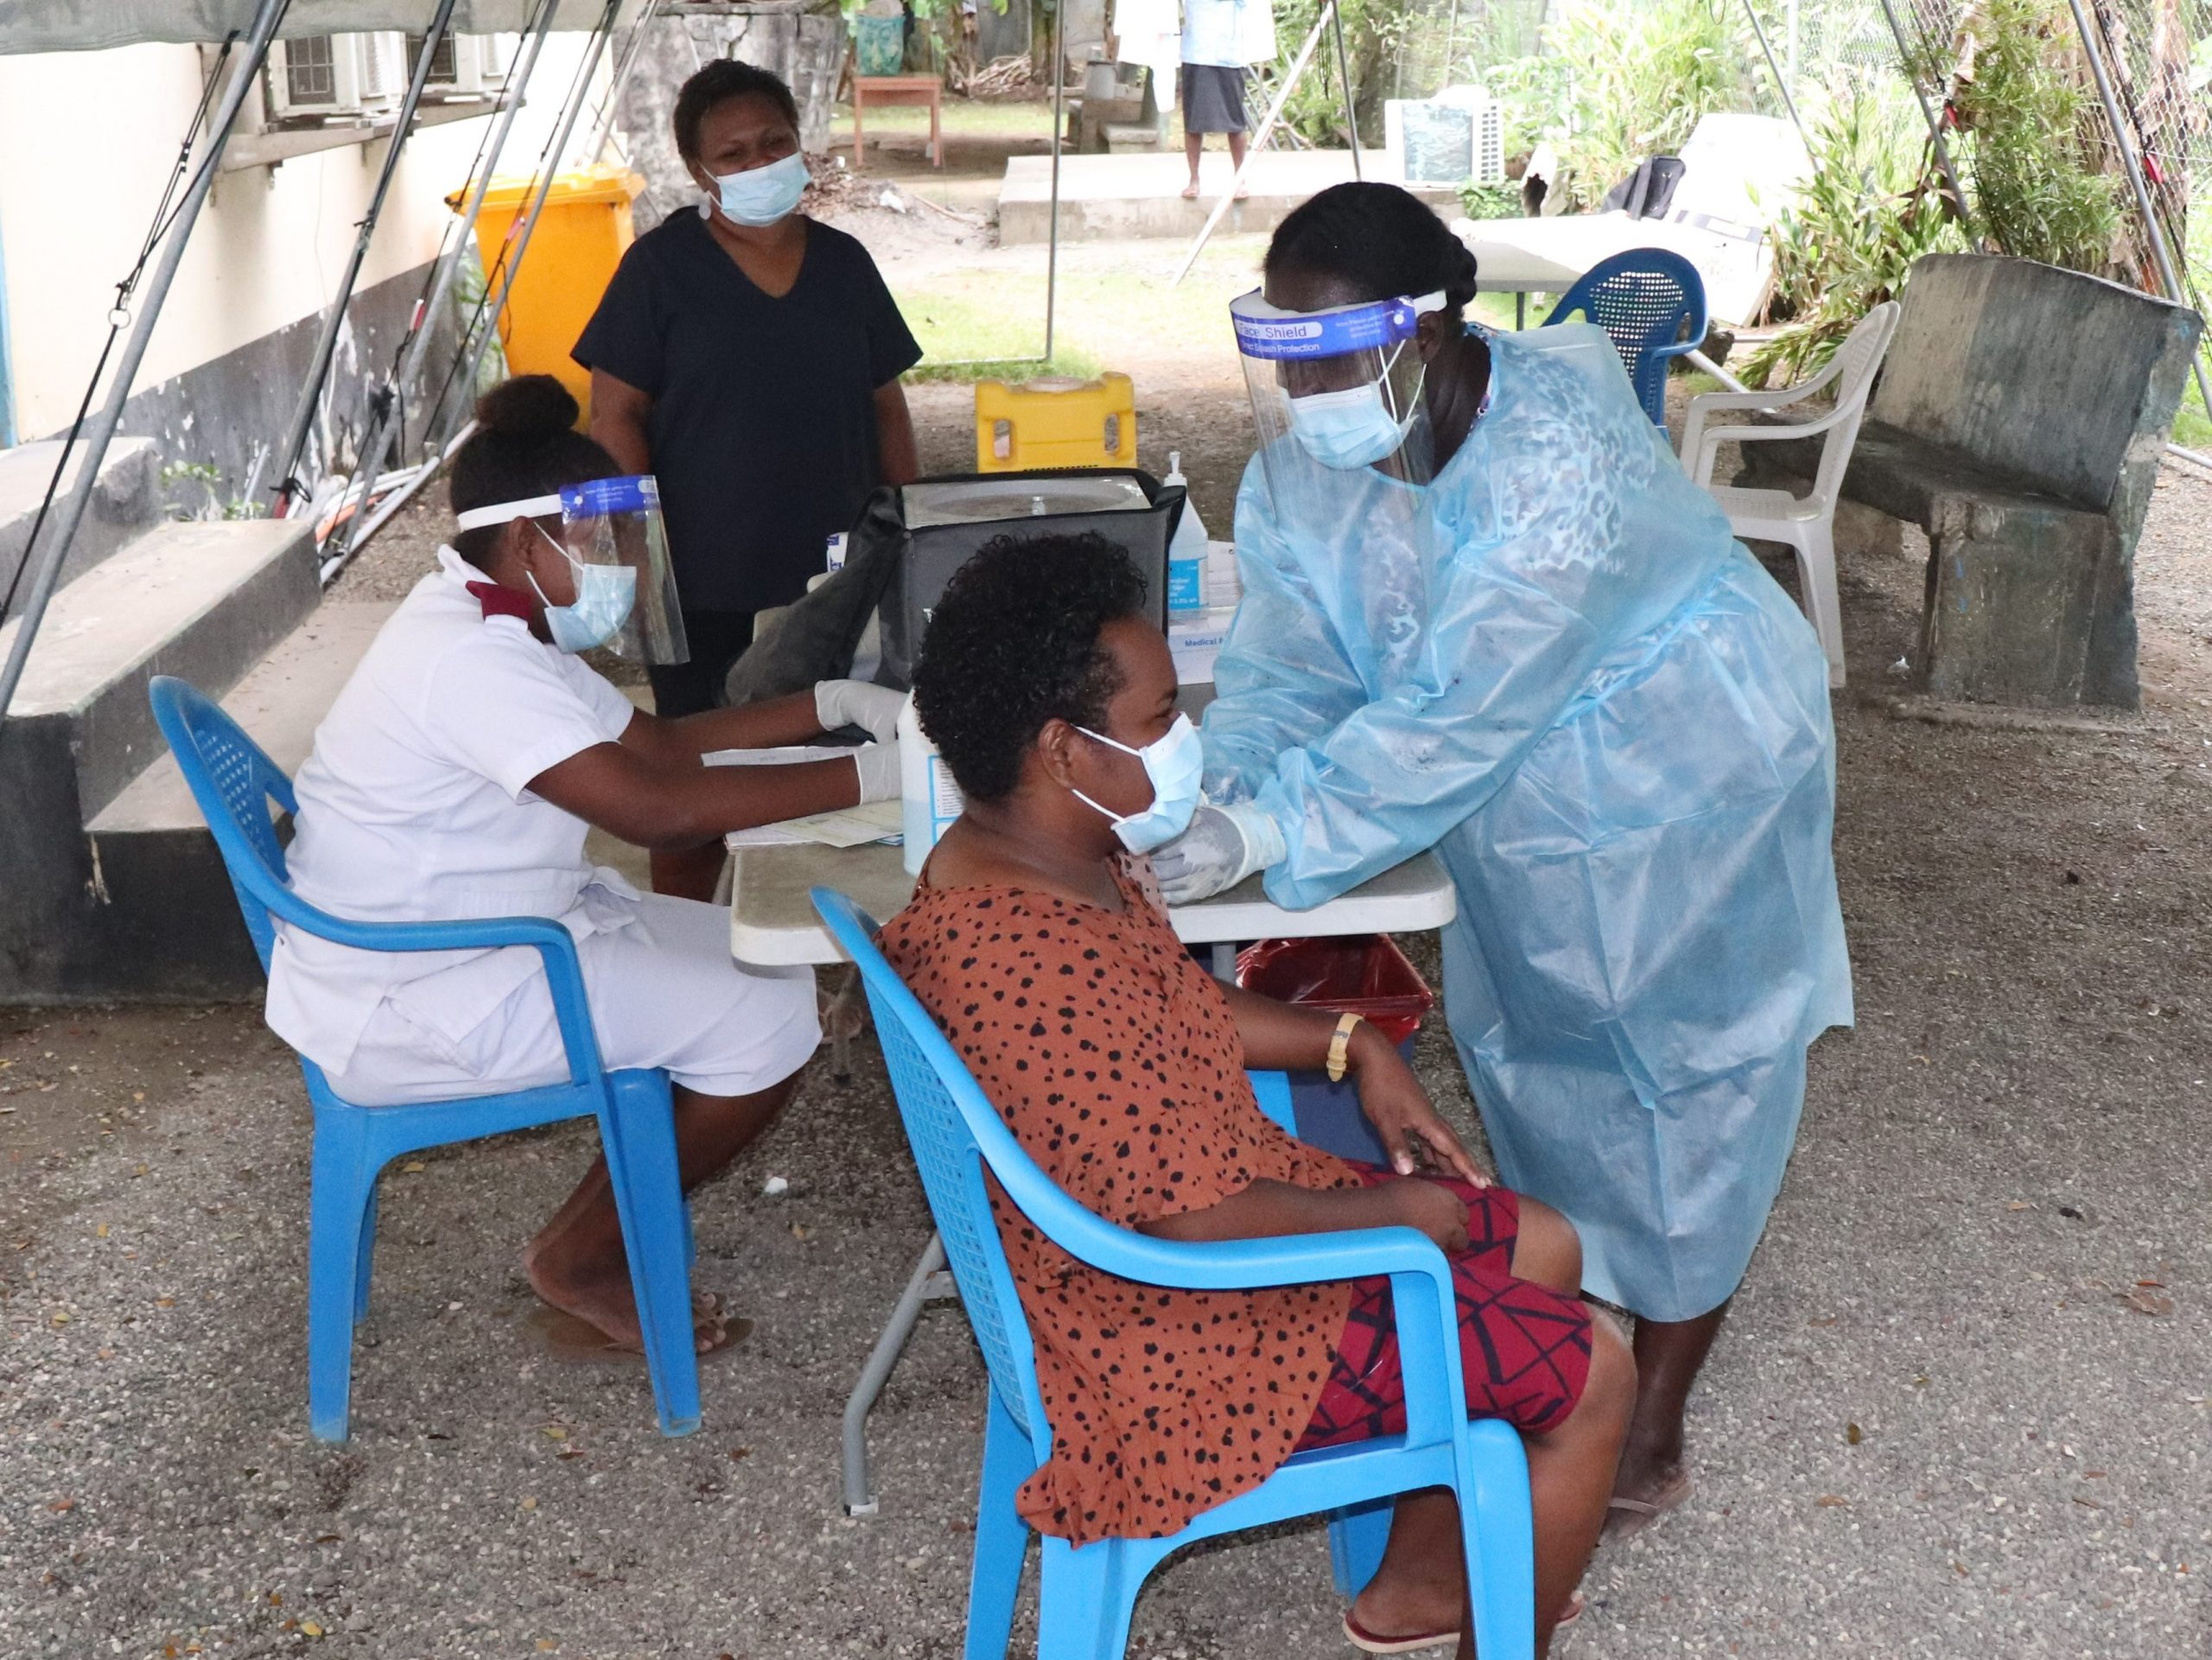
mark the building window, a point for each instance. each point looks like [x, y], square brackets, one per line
[311, 70]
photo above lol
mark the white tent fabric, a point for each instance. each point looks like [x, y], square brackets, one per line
[93, 25]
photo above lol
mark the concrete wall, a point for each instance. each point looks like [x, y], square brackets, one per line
[86, 141]
[806, 51]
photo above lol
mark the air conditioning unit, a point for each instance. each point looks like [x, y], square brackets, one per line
[1458, 136]
[335, 74]
[464, 66]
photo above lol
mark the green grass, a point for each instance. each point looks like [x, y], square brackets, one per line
[2191, 429]
[1109, 314]
[960, 117]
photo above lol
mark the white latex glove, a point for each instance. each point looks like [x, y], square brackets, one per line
[878, 765]
[1222, 847]
[874, 709]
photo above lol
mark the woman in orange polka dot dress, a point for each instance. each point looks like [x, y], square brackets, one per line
[1037, 944]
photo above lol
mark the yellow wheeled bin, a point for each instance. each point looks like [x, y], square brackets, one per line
[1055, 422]
[580, 238]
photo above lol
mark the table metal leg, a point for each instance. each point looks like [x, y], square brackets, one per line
[928, 1282]
[1225, 961]
[1521, 310]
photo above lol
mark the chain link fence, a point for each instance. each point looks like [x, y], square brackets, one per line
[2157, 58]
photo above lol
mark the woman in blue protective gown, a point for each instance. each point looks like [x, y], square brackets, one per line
[1519, 636]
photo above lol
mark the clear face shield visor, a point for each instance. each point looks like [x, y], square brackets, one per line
[1336, 392]
[626, 599]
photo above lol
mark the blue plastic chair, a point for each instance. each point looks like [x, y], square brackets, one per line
[233, 781]
[1086, 1595]
[1641, 299]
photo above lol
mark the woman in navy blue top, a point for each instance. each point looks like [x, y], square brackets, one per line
[748, 357]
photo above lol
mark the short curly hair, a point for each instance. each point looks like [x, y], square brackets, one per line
[1013, 644]
[719, 81]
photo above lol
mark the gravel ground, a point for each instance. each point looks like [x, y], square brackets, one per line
[1961, 1408]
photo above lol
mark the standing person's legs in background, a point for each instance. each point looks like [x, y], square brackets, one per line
[717, 639]
[1213, 101]
[1194, 140]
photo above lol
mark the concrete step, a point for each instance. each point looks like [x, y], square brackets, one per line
[280, 702]
[205, 601]
[202, 601]
[126, 501]
[164, 901]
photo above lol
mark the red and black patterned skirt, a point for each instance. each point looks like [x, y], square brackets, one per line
[1525, 1348]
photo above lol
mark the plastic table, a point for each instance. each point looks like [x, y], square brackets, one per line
[773, 924]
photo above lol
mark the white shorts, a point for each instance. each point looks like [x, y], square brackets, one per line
[664, 992]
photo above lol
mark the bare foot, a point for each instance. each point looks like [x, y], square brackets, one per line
[603, 1300]
[1243, 194]
[1191, 191]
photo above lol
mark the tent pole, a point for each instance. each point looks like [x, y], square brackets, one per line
[569, 114]
[267, 15]
[1259, 139]
[633, 49]
[1059, 128]
[2125, 142]
[418, 345]
[1934, 124]
[289, 453]
[1344, 80]
[1781, 80]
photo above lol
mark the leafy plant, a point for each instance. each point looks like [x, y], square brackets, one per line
[1618, 83]
[208, 476]
[2033, 169]
[1374, 30]
[1490, 201]
[1868, 211]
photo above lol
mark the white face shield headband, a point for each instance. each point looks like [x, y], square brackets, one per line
[616, 548]
[1336, 390]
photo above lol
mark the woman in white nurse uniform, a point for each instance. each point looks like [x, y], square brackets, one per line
[456, 776]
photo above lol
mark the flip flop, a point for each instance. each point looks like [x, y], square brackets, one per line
[1368, 1642]
[1631, 1516]
[570, 1337]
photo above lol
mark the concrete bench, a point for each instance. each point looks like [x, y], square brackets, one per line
[2020, 419]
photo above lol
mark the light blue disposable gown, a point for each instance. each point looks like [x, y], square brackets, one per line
[1555, 666]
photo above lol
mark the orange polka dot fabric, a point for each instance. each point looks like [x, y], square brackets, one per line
[1114, 1058]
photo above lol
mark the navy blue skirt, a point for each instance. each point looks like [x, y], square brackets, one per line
[1213, 97]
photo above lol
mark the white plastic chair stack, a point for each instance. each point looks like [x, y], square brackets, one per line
[1804, 524]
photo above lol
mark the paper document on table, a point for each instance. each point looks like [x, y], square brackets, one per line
[847, 827]
[788, 755]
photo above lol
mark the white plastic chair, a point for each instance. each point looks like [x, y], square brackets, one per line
[1804, 524]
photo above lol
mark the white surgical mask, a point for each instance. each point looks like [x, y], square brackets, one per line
[1353, 428]
[1174, 762]
[761, 195]
[604, 596]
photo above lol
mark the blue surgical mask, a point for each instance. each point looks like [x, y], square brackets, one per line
[761, 195]
[1174, 763]
[1353, 428]
[604, 596]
